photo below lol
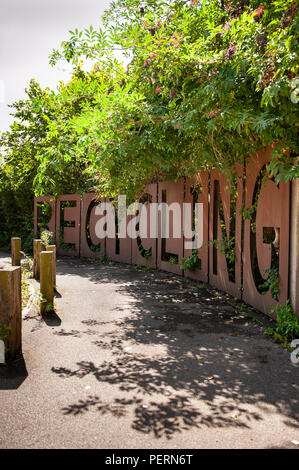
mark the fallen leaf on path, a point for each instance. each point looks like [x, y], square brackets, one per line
[199, 357]
[211, 377]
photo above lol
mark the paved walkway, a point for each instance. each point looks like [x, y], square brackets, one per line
[137, 359]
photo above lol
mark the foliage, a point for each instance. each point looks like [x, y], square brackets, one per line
[4, 333]
[147, 254]
[29, 263]
[227, 248]
[44, 215]
[272, 282]
[281, 166]
[24, 163]
[47, 237]
[206, 85]
[25, 286]
[287, 324]
[26, 275]
[190, 263]
[46, 307]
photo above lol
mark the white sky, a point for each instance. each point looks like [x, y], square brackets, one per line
[29, 30]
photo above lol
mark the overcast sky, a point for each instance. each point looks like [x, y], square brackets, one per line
[29, 30]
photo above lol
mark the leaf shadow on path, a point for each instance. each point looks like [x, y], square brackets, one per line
[193, 362]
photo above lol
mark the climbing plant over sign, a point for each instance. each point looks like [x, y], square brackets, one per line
[207, 83]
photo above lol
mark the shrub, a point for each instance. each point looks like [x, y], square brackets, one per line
[47, 238]
[287, 324]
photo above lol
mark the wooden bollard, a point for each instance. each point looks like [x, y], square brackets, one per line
[37, 249]
[46, 281]
[53, 248]
[11, 310]
[16, 251]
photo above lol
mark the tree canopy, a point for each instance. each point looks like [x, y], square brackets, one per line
[206, 84]
[198, 85]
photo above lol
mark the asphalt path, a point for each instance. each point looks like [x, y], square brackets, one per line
[147, 360]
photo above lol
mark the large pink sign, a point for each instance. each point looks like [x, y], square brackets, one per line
[232, 234]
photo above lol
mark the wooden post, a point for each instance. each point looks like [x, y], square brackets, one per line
[53, 248]
[16, 251]
[37, 249]
[11, 310]
[46, 281]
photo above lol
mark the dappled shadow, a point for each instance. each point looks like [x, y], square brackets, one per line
[184, 357]
[63, 332]
[162, 418]
[117, 409]
[186, 384]
[149, 286]
[233, 377]
[38, 321]
[35, 320]
[13, 374]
